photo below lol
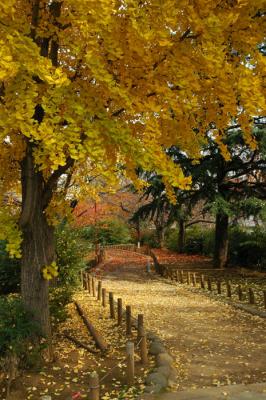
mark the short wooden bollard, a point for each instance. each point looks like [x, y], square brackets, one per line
[89, 284]
[209, 283]
[128, 320]
[264, 297]
[240, 292]
[176, 276]
[93, 287]
[112, 305]
[143, 346]
[99, 296]
[251, 296]
[130, 363]
[119, 312]
[228, 289]
[103, 297]
[219, 287]
[170, 274]
[85, 280]
[94, 386]
[188, 278]
[194, 280]
[140, 324]
[81, 279]
[181, 277]
[202, 283]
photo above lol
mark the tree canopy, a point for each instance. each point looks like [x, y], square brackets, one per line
[103, 85]
[98, 88]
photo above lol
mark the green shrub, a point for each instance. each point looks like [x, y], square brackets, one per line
[9, 272]
[70, 259]
[70, 253]
[171, 239]
[17, 332]
[197, 240]
[108, 232]
[149, 238]
[248, 247]
[194, 241]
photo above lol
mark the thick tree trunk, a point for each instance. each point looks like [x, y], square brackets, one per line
[38, 244]
[221, 241]
[181, 236]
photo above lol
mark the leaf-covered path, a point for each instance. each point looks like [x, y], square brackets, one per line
[213, 344]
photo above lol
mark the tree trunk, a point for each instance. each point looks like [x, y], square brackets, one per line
[138, 231]
[160, 233]
[37, 246]
[221, 241]
[181, 236]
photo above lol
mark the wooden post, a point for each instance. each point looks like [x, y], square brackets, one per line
[228, 289]
[143, 346]
[209, 283]
[130, 363]
[140, 324]
[119, 311]
[103, 297]
[128, 320]
[240, 292]
[85, 280]
[251, 296]
[202, 284]
[194, 279]
[176, 276]
[94, 386]
[89, 283]
[219, 287]
[99, 296]
[188, 278]
[112, 305]
[181, 277]
[81, 278]
[264, 297]
[93, 287]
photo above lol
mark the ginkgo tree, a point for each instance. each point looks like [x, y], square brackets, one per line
[103, 86]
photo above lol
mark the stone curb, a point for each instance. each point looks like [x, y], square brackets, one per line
[164, 373]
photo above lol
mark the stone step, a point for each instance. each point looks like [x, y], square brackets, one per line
[256, 391]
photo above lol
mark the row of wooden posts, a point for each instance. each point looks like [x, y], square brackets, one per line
[94, 287]
[191, 278]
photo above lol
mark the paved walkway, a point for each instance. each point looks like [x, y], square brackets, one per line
[213, 344]
[233, 392]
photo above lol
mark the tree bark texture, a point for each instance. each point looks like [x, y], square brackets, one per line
[181, 236]
[38, 243]
[221, 241]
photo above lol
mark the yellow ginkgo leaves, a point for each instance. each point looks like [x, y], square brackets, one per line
[50, 271]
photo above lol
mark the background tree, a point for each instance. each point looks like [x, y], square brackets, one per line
[102, 92]
[227, 188]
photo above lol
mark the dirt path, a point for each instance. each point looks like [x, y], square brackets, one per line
[213, 344]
